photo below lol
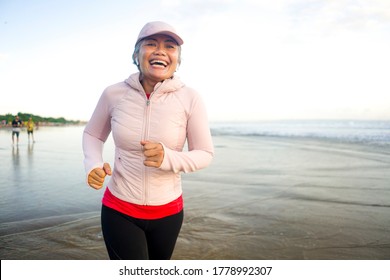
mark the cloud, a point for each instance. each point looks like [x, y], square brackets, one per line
[331, 18]
[248, 58]
[4, 56]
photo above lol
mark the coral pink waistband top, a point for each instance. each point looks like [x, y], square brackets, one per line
[146, 212]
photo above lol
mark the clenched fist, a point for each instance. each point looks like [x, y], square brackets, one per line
[96, 176]
[154, 153]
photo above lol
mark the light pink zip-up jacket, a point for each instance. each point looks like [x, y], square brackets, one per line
[173, 114]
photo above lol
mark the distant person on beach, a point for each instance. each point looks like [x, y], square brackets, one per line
[16, 128]
[151, 116]
[30, 129]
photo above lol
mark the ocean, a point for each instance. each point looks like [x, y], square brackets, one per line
[348, 131]
[275, 190]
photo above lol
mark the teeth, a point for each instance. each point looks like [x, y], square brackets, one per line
[160, 62]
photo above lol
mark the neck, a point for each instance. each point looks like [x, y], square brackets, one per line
[148, 85]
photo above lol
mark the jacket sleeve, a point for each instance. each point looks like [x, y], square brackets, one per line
[95, 134]
[200, 146]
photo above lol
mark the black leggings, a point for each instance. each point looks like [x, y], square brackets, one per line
[129, 238]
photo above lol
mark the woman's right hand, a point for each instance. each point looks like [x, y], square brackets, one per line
[96, 176]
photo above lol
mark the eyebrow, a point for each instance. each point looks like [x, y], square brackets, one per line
[165, 41]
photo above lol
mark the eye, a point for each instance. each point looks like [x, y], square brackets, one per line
[150, 43]
[170, 46]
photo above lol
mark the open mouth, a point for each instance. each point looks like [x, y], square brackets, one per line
[160, 63]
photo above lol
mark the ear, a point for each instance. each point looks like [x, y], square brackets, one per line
[135, 59]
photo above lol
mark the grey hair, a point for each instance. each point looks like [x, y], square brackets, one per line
[136, 53]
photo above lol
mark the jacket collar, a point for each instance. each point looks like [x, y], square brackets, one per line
[166, 86]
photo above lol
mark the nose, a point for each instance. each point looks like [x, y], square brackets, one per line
[160, 49]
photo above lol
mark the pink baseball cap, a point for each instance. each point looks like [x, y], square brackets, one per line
[159, 27]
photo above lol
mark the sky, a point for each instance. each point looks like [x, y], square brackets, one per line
[248, 59]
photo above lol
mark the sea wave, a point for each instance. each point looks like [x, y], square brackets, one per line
[367, 132]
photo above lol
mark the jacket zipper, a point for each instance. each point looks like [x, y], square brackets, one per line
[148, 110]
[146, 137]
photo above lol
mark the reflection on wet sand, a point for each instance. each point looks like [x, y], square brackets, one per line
[268, 199]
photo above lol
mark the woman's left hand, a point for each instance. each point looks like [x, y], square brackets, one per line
[154, 153]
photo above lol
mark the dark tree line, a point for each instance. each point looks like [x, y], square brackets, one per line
[37, 119]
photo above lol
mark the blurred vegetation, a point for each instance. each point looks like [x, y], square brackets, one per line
[37, 119]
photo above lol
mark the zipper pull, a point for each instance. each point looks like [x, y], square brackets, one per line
[147, 102]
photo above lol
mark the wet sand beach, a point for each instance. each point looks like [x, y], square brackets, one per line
[262, 198]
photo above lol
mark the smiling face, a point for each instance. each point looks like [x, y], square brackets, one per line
[158, 58]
